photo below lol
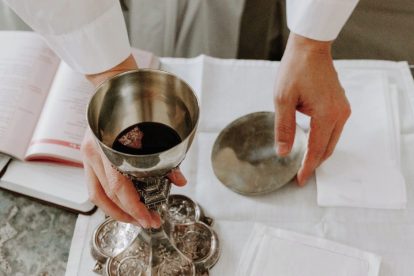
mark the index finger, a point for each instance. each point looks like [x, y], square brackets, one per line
[319, 137]
[127, 195]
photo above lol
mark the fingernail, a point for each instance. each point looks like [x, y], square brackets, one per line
[282, 148]
[155, 224]
[156, 220]
[144, 223]
[301, 181]
[298, 177]
[180, 178]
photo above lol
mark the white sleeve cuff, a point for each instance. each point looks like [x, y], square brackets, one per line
[318, 19]
[97, 46]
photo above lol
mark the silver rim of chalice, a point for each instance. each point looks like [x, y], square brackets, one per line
[143, 95]
[244, 158]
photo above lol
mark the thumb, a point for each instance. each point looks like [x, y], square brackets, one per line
[177, 177]
[285, 128]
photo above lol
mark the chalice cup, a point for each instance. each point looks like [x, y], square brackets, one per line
[185, 244]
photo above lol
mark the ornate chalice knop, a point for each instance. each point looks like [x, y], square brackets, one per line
[185, 244]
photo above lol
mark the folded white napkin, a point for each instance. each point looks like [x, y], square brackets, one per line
[80, 261]
[271, 251]
[364, 170]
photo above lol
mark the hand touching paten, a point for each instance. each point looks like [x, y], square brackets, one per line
[307, 82]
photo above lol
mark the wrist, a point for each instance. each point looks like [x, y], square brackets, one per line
[306, 45]
[126, 65]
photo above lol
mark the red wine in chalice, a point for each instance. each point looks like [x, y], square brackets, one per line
[146, 138]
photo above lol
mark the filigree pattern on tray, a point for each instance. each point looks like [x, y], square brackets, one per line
[186, 247]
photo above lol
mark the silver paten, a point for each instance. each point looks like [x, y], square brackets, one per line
[185, 244]
[244, 157]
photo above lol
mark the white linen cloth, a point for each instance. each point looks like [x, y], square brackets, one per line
[80, 261]
[91, 35]
[271, 251]
[364, 170]
[228, 89]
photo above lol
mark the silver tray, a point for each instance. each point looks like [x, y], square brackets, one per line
[185, 245]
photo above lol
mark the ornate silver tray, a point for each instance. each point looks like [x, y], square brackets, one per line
[185, 245]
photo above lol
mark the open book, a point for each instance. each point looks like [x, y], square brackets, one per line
[43, 114]
[42, 101]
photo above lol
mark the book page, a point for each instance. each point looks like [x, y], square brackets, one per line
[27, 67]
[62, 124]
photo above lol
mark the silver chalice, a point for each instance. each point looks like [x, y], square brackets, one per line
[185, 244]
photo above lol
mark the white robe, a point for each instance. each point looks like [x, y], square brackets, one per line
[180, 28]
[90, 35]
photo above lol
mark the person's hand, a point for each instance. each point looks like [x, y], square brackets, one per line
[307, 82]
[108, 189]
